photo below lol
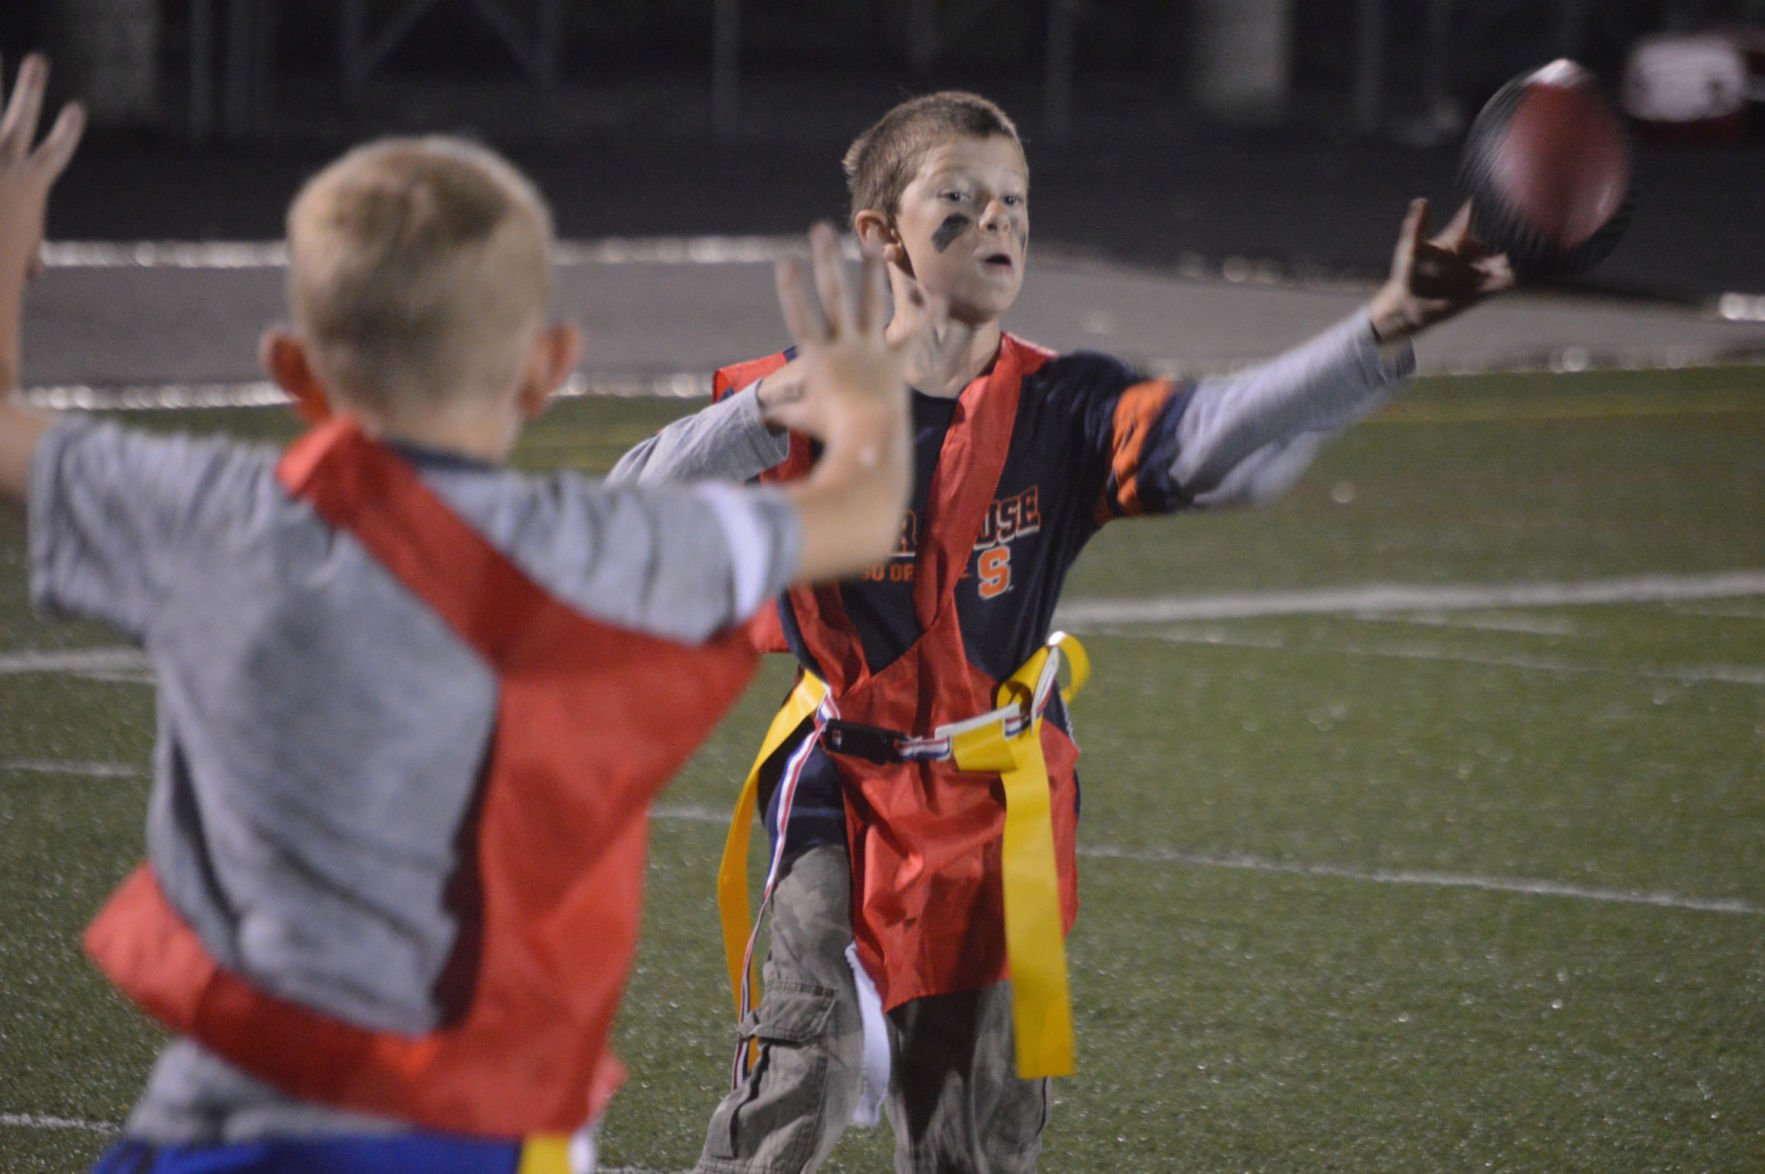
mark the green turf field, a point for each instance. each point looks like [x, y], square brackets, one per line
[1471, 882]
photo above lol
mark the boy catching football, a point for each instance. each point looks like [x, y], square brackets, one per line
[923, 799]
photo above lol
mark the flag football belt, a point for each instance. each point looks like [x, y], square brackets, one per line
[1005, 741]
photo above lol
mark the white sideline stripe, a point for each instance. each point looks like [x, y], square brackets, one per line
[92, 770]
[654, 250]
[80, 660]
[33, 1121]
[667, 250]
[258, 393]
[708, 249]
[1449, 880]
[1399, 597]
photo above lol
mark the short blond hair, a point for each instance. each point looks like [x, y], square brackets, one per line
[419, 271]
[881, 162]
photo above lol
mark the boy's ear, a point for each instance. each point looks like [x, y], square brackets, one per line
[555, 354]
[284, 359]
[872, 227]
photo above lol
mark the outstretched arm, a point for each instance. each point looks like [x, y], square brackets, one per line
[1248, 437]
[728, 441]
[27, 173]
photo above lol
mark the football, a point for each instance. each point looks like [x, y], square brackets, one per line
[1547, 167]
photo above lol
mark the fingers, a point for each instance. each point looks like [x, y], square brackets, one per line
[873, 289]
[64, 136]
[802, 317]
[1494, 274]
[1457, 231]
[1415, 228]
[19, 125]
[830, 279]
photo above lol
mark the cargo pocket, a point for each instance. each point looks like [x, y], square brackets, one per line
[773, 1121]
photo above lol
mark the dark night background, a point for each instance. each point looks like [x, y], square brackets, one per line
[633, 136]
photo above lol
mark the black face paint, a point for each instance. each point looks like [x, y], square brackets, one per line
[954, 225]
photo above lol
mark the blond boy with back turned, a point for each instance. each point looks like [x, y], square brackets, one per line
[412, 706]
[890, 892]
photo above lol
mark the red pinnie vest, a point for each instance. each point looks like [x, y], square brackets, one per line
[592, 721]
[925, 839]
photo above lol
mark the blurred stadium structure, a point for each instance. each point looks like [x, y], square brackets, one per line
[234, 69]
[1199, 137]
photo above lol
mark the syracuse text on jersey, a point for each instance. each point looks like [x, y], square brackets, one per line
[1008, 518]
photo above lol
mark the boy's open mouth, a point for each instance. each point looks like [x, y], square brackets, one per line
[1003, 259]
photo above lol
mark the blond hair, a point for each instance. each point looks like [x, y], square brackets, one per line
[881, 162]
[419, 271]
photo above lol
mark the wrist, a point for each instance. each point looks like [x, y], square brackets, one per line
[1389, 322]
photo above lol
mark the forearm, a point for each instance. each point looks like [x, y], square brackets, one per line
[11, 323]
[724, 442]
[1248, 436]
[20, 426]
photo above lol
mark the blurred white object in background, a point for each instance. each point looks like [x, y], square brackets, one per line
[1692, 88]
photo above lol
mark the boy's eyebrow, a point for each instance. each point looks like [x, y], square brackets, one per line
[948, 172]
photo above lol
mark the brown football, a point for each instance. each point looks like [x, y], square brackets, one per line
[1547, 166]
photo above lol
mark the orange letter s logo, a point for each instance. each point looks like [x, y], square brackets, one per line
[994, 565]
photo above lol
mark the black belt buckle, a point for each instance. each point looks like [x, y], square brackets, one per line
[856, 740]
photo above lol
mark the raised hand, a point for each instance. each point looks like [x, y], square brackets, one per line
[26, 174]
[914, 332]
[847, 349]
[854, 399]
[28, 169]
[1433, 279]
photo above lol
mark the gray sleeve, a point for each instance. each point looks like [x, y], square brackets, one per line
[724, 442]
[1248, 437]
[678, 561]
[108, 510]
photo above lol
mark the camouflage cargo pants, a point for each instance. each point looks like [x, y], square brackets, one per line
[955, 1101]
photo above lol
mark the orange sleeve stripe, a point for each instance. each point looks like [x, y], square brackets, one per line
[1135, 413]
[739, 375]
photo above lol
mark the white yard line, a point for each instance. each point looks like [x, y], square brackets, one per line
[34, 1121]
[1372, 598]
[75, 660]
[1750, 675]
[1523, 625]
[687, 814]
[1449, 880]
[90, 770]
[1738, 611]
[1493, 884]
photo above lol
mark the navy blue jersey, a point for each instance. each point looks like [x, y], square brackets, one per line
[1091, 442]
